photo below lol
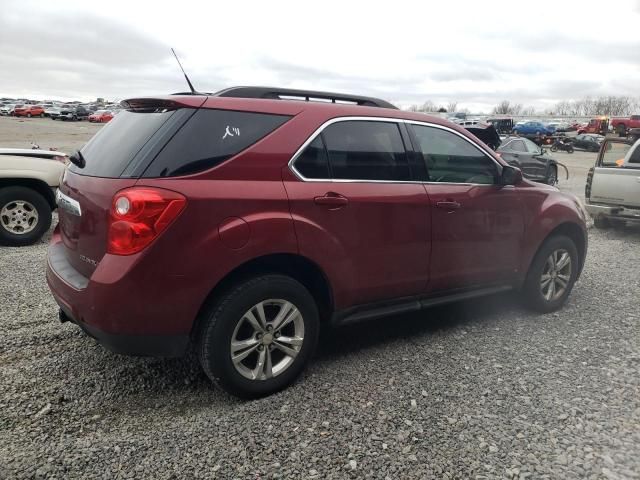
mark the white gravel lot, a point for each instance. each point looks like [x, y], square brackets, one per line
[481, 389]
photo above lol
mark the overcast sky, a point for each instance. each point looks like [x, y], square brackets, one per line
[473, 52]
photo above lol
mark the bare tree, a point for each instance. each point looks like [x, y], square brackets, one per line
[505, 107]
[452, 106]
[528, 111]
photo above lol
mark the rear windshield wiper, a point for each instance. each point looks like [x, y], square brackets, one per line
[77, 159]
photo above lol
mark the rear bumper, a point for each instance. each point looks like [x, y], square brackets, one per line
[135, 345]
[613, 211]
[113, 314]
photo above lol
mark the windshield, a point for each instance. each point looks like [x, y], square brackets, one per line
[614, 153]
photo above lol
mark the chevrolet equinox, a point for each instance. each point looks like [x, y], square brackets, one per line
[237, 223]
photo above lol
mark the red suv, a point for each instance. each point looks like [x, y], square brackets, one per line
[237, 223]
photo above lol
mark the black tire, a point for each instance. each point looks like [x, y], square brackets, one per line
[220, 319]
[43, 222]
[552, 175]
[554, 148]
[622, 130]
[28, 115]
[570, 149]
[515, 131]
[532, 290]
[42, 115]
[601, 222]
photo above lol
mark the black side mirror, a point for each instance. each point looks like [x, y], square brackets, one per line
[510, 175]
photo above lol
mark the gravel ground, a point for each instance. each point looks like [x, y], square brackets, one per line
[481, 389]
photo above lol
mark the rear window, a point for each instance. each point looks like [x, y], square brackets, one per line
[111, 150]
[209, 138]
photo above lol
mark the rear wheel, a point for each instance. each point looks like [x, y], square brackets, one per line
[25, 216]
[554, 148]
[258, 337]
[622, 130]
[552, 274]
[28, 115]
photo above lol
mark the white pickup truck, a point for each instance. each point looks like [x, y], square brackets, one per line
[612, 192]
[28, 183]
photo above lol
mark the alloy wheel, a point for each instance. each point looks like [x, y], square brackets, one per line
[556, 275]
[267, 339]
[19, 217]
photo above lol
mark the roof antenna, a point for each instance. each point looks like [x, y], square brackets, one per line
[193, 90]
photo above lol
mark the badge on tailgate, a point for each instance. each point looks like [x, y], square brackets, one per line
[68, 204]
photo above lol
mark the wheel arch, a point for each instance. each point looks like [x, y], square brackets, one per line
[568, 229]
[296, 266]
[34, 184]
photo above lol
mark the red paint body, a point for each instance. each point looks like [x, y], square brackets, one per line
[387, 242]
[29, 110]
[102, 117]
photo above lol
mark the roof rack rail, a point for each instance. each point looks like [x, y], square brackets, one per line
[306, 95]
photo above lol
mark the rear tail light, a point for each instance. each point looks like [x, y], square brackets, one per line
[138, 215]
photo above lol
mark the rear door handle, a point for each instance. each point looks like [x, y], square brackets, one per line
[448, 205]
[331, 200]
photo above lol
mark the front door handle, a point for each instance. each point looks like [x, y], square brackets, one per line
[331, 200]
[449, 205]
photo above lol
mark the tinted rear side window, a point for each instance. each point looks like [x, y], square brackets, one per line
[109, 152]
[366, 150]
[209, 138]
[312, 162]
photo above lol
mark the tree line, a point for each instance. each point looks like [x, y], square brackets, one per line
[611, 105]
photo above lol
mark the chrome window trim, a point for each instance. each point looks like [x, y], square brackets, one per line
[397, 121]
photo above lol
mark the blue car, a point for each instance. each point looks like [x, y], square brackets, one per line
[533, 128]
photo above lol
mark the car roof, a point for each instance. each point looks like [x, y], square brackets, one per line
[283, 107]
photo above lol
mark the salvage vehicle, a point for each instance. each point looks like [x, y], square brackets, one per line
[612, 191]
[533, 127]
[101, 116]
[599, 126]
[237, 223]
[9, 108]
[588, 141]
[621, 125]
[503, 125]
[532, 159]
[73, 112]
[29, 111]
[28, 182]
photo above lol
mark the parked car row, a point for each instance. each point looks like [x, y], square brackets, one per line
[70, 111]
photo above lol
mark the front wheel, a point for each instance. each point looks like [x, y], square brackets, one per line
[551, 275]
[554, 148]
[258, 336]
[25, 216]
[622, 131]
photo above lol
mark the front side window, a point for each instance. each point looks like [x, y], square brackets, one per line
[517, 146]
[366, 150]
[452, 159]
[531, 147]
